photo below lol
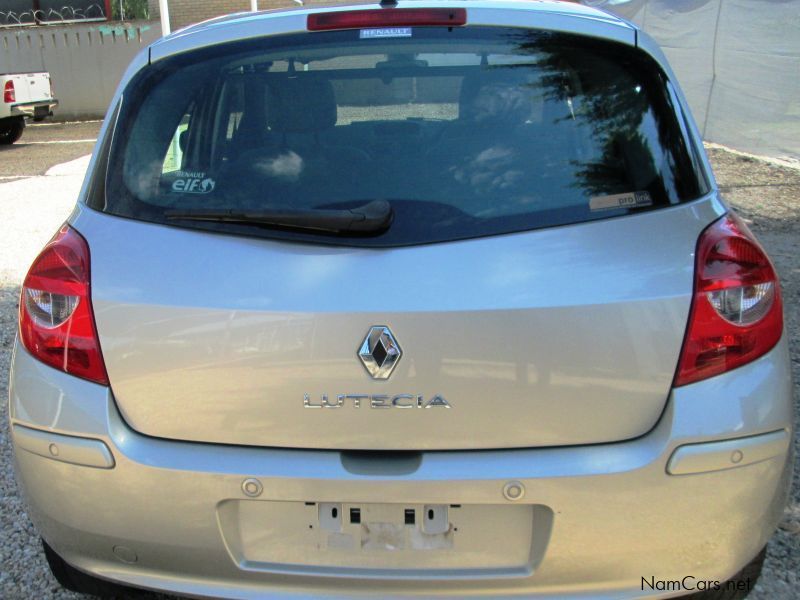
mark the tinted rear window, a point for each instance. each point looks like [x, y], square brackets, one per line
[467, 132]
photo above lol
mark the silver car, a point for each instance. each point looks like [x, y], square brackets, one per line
[437, 299]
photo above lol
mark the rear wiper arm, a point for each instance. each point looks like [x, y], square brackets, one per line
[373, 217]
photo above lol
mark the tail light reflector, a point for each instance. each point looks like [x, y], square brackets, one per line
[9, 93]
[736, 313]
[387, 17]
[56, 320]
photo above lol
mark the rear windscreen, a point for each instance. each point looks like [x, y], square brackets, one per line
[466, 132]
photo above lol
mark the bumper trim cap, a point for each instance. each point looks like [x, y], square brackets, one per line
[717, 456]
[65, 448]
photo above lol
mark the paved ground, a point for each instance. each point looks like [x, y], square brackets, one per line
[35, 198]
[45, 145]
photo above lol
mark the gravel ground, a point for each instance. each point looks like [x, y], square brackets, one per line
[768, 198]
[35, 199]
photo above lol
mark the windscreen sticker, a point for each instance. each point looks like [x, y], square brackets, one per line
[385, 32]
[630, 200]
[192, 182]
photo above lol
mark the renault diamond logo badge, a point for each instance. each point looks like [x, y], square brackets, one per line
[380, 352]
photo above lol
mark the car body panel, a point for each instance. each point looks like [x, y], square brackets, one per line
[534, 339]
[182, 499]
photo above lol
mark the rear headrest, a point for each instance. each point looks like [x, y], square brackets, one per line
[301, 104]
[469, 89]
[494, 100]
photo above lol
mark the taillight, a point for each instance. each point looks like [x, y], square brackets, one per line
[736, 313]
[9, 94]
[56, 321]
[387, 17]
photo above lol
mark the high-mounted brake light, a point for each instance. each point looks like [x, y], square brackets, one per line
[736, 313]
[387, 17]
[9, 93]
[56, 321]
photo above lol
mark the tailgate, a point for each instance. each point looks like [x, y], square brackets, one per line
[568, 335]
[38, 87]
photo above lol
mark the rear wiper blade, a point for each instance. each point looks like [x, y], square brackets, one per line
[373, 217]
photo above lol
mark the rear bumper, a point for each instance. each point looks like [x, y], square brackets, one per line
[32, 109]
[603, 520]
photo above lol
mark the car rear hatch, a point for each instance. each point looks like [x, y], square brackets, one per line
[563, 336]
[527, 278]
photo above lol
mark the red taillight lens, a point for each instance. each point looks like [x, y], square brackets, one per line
[56, 320]
[736, 313]
[9, 94]
[387, 17]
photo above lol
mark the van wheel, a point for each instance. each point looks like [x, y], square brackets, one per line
[77, 581]
[11, 130]
[746, 578]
